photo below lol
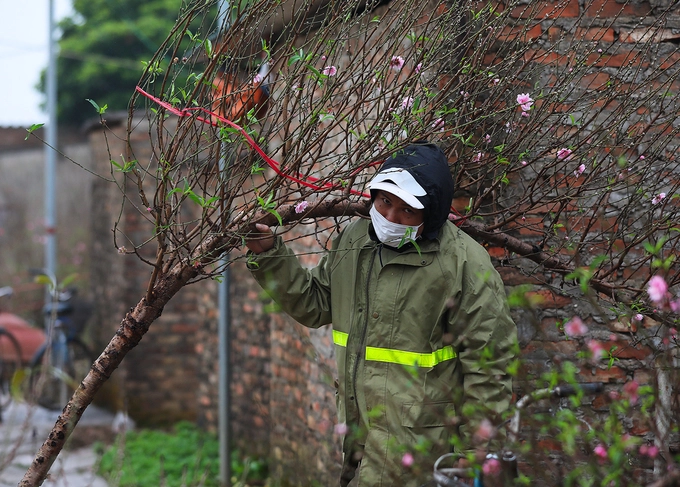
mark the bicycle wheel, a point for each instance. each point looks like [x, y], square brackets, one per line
[80, 361]
[55, 377]
[10, 363]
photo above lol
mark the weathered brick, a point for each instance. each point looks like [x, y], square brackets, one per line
[548, 299]
[520, 33]
[624, 350]
[540, 10]
[595, 81]
[630, 58]
[598, 34]
[613, 8]
[648, 34]
[605, 375]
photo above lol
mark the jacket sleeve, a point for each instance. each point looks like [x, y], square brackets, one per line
[303, 294]
[488, 342]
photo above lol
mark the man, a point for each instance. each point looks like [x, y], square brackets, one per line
[420, 321]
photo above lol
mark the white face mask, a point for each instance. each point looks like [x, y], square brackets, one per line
[390, 233]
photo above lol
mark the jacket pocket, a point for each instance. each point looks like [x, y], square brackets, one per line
[426, 415]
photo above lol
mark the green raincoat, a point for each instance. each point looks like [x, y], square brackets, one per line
[420, 334]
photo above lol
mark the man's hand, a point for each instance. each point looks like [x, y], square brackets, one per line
[261, 241]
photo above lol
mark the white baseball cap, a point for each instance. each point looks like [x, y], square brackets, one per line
[400, 183]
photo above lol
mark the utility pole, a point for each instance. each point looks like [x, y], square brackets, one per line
[224, 303]
[50, 151]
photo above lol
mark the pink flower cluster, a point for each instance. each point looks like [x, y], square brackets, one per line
[596, 349]
[658, 292]
[438, 124]
[630, 390]
[564, 154]
[600, 452]
[301, 206]
[658, 198]
[397, 63]
[525, 102]
[579, 170]
[575, 327]
[491, 467]
[650, 451]
[330, 71]
[341, 429]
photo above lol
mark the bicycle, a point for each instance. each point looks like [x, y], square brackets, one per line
[10, 356]
[64, 359]
[454, 476]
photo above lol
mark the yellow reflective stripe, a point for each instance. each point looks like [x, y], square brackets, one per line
[392, 356]
[340, 338]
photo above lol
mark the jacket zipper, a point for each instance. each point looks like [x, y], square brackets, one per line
[364, 330]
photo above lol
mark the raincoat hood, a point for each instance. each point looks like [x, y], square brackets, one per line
[430, 168]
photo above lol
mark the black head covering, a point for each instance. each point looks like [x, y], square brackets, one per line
[430, 168]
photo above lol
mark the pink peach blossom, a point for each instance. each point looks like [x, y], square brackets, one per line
[601, 452]
[564, 153]
[630, 390]
[491, 467]
[658, 198]
[524, 99]
[407, 460]
[650, 451]
[301, 206]
[596, 349]
[397, 63]
[575, 327]
[438, 124]
[657, 289]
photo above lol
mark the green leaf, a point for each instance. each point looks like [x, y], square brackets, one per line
[93, 103]
[278, 217]
[65, 282]
[44, 280]
[32, 129]
[100, 110]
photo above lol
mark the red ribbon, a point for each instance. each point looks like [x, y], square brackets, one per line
[308, 181]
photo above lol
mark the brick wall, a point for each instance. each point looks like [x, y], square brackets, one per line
[156, 382]
[282, 390]
[303, 447]
[173, 373]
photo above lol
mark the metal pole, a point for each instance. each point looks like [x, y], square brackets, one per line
[50, 153]
[224, 402]
[224, 381]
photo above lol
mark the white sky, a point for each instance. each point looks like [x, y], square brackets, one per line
[23, 54]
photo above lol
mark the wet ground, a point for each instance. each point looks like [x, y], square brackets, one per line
[24, 428]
